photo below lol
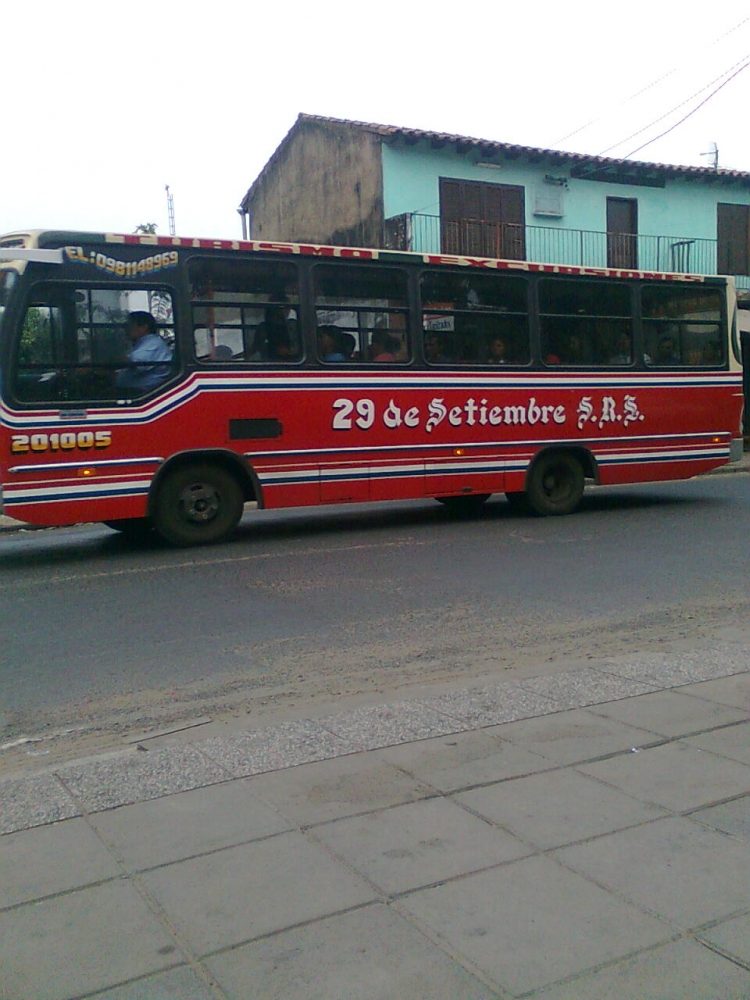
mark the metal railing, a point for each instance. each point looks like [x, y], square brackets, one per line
[555, 245]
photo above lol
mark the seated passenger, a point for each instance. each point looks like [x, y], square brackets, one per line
[150, 360]
[330, 348]
[497, 353]
[433, 350]
[665, 352]
[383, 347]
[622, 355]
[349, 347]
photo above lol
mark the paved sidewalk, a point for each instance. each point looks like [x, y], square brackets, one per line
[578, 836]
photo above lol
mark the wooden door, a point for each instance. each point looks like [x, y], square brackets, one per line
[622, 233]
[733, 239]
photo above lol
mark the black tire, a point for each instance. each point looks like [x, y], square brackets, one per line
[466, 503]
[197, 505]
[135, 528]
[555, 484]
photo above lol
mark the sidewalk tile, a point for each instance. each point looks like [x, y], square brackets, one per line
[491, 704]
[555, 808]
[673, 867]
[689, 667]
[732, 691]
[136, 776]
[177, 984]
[52, 859]
[674, 775]
[669, 713]
[573, 736]
[386, 725]
[732, 742]
[733, 937]
[682, 970]
[576, 688]
[189, 823]
[81, 942]
[285, 745]
[417, 844]
[464, 759]
[731, 817]
[34, 801]
[531, 923]
[243, 892]
[332, 789]
[372, 953]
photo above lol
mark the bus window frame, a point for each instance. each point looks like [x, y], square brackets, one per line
[244, 364]
[531, 321]
[407, 310]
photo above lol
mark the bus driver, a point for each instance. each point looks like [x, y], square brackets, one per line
[150, 359]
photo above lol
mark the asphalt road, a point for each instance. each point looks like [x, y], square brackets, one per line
[104, 637]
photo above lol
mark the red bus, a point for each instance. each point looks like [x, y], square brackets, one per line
[160, 383]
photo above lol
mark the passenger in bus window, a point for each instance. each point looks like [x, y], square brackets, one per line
[711, 354]
[273, 337]
[497, 352]
[150, 360]
[383, 347]
[665, 352]
[349, 347]
[330, 348]
[569, 351]
[622, 354]
[434, 352]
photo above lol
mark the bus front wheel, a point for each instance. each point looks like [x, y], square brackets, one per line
[555, 484]
[197, 505]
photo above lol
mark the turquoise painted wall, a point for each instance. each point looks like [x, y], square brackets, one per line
[682, 209]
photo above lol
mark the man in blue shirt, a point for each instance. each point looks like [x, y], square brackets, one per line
[150, 359]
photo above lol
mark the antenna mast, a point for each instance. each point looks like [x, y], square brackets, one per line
[170, 210]
[713, 152]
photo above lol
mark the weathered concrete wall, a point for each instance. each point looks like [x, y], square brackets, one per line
[324, 184]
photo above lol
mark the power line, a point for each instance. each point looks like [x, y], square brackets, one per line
[690, 113]
[671, 111]
[649, 86]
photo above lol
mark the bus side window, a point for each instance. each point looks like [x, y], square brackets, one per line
[585, 322]
[363, 312]
[682, 327]
[245, 311]
[474, 319]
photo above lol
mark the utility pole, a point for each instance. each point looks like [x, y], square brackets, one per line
[170, 210]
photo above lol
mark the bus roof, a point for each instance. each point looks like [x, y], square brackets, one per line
[40, 240]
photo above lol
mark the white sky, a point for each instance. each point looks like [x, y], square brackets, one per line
[104, 103]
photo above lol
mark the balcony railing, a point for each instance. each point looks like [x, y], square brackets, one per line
[554, 245]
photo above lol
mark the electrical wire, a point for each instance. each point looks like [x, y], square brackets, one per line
[687, 100]
[643, 90]
[690, 113]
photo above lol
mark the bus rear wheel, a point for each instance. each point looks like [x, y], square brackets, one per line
[197, 505]
[555, 484]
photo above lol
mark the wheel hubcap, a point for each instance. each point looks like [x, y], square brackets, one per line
[199, 503]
